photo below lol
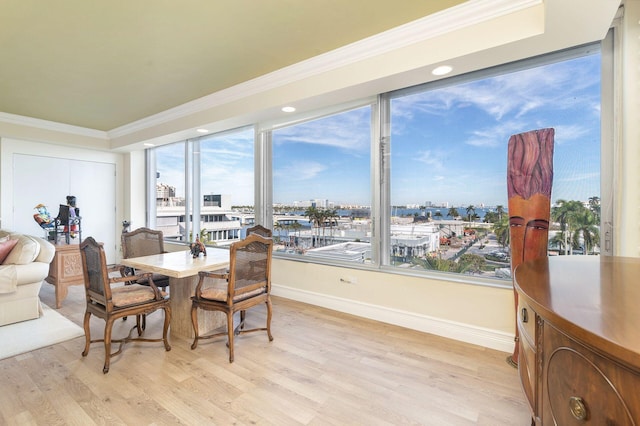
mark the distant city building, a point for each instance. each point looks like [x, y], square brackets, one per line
[218, 222]
[164, 191]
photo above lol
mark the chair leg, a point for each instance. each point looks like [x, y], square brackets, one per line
[107, 345]
[87, 333]
[141, 323]
[230, 333]
[194, 322]
[269, 319]
[165, 329]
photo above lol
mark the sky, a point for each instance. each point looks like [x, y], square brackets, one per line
[447, 145]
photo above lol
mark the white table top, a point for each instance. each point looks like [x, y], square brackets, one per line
[180, 264]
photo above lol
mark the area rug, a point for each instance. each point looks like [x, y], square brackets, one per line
[25, 336]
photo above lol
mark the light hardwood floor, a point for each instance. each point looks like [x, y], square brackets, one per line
[323, 368]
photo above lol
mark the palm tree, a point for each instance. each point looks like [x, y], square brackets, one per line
[453, 212]
[314, 218]
[586, 227]
[491, 217]
[438, 214]
[501, 229]
[296, 229]
[277, 227]
[594, 206]
[332, 215]
[565, 213]
[470, 209]
[500, 211]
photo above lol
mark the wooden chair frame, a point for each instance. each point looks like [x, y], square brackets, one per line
[143, 242]
[237, 297]
[260, 230]
[101, 303]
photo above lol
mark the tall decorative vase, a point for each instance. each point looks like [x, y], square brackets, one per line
[529, 180]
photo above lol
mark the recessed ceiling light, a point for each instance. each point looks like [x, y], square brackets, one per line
[148, 144]
[442, 70]
[202, 131]
[288, 109]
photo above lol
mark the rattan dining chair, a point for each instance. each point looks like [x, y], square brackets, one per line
[260, 230]
[110, 302]
[143, 242]
[247, 284]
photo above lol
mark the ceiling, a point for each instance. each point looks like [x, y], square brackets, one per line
[102, 65]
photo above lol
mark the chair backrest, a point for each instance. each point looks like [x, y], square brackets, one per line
[250, 265]
[260, 230]
[142, 242]
[64, 214]
[96, 275]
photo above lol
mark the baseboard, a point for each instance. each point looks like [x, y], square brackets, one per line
[488, 338]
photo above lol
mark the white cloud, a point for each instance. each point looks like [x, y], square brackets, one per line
[300, 170]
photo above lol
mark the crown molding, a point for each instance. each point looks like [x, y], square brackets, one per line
[53, 126]
[464, 15]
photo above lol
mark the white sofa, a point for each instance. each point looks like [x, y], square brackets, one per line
[21, 276]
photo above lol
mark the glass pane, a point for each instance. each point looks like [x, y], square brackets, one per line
[226, 179]
[449, 159]
[170, 195]
[321, 187]
[226, 182]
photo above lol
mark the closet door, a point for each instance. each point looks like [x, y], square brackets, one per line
[48, 180]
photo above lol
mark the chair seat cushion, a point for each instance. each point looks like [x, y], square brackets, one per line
[131, 295]
[158, 279]
[218, 292]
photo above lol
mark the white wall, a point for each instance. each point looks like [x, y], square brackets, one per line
[627, 242]
[472, 313]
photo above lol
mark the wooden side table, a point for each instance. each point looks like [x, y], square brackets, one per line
[65, 270]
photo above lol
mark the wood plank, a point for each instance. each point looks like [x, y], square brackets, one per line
[323, 368]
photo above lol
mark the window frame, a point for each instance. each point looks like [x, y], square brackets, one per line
[380, 151]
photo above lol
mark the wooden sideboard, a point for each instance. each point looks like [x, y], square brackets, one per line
[579, 325]
[65, 270]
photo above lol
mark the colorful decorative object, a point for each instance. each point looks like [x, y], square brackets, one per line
[529, 181]
[198, 247]
[42, 217]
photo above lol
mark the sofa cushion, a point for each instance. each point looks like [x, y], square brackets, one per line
[25, 251]
[6, 245]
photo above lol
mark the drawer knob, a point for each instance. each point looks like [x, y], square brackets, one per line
[524, 315]
[577, 407]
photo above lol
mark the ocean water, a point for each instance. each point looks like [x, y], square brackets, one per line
[408, 212]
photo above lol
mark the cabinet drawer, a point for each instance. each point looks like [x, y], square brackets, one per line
[526, 322]
[527, 372]
[584, 388]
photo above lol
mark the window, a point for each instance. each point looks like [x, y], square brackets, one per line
[448, 163]
[414, 181]
[205, 184]
[321, 187]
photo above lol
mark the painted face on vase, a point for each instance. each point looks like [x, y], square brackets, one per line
[529, 180]
[528, 227]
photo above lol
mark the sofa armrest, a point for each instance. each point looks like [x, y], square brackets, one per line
[47, 251]
[8, 278]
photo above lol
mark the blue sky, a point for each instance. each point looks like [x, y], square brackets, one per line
[447, 145]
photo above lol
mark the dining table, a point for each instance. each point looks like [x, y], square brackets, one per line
[182, 269]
